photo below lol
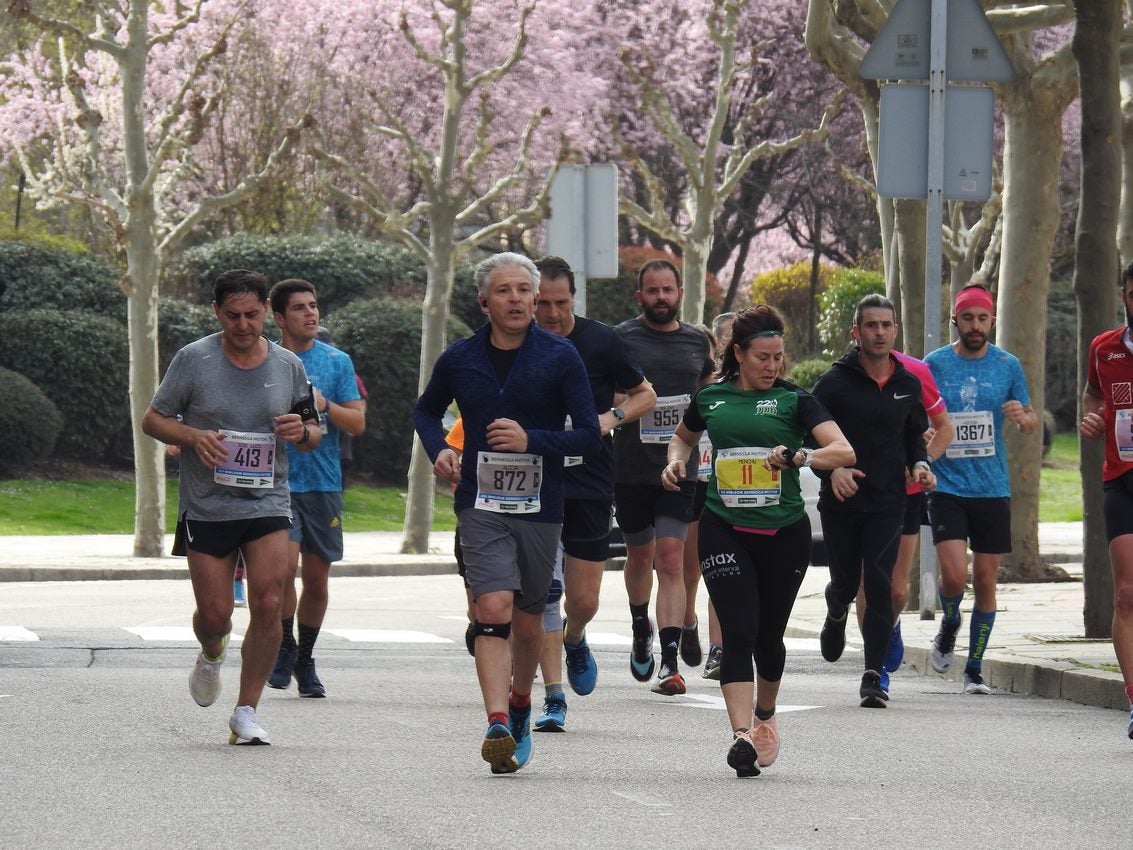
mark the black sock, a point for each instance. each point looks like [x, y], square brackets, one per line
[760, 714]
[307, 637]
[288, 643]
[640, 618]
[669, 638]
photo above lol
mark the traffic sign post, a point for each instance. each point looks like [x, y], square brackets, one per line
[583, 227]
[935, 41]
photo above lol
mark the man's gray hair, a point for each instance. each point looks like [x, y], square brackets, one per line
[718, 323]
[499, 261]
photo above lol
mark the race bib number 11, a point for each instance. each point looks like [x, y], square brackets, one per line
[743, 482]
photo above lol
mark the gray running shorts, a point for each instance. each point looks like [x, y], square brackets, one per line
[503, 552]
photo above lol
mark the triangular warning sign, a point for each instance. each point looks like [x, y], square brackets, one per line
[901, 49]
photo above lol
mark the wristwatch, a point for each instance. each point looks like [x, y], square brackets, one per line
[924, 463]
[619, 414]
[806, 453]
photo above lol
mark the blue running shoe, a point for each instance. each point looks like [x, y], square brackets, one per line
[884, 677]
[582, 669]
[895, 653]
[519, 721]
[553, 718]
[498, 749]
[641, 662]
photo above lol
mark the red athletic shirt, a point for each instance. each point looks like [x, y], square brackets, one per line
[931, 398]
[1111, 376]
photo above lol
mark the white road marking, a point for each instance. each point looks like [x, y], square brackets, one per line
[17, 633]
[180, 634]
[386, 636]
[643, 801]
[717, 702]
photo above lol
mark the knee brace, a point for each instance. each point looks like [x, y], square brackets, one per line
[552, 611]
[496, 630]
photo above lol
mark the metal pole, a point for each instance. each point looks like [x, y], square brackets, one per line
[934, 222]
[20, 197]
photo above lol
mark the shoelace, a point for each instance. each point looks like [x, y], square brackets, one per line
[580, 659]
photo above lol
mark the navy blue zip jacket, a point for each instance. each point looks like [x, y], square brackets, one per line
[546, 383]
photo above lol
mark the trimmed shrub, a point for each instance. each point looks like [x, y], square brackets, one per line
[29, 418]
[806, 372]
[81, 362]
[837, 304]
[383, 337]
[464, 304]
[38, 274]
[788, 291]
[343, 269]
[179, 323]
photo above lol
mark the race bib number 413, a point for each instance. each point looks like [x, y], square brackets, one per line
[250, 461]
[508, 483]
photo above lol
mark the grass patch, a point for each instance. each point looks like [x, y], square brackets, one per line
[1060, 488]
[103, 506]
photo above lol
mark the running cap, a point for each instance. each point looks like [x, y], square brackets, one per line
[973, 296]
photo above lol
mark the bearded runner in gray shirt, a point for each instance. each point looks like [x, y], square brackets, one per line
[230, 401]
[673, 355]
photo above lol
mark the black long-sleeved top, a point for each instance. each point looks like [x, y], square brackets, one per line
[884, 423]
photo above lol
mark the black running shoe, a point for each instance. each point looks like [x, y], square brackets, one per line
[308, 681]
[871, 693]
[280, 677]
[741, 756]
[691, 653]
[832, 638]
[641, 661]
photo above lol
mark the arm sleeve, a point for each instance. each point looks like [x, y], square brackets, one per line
[430, 408]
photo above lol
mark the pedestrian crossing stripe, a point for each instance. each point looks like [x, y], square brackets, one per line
[386, 636]
[716, 702]
[15, 633]
[178, 634]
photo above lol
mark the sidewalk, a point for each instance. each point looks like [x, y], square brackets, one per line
[1037, 645]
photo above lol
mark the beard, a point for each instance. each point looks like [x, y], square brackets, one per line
[974, 340]
[661, 314]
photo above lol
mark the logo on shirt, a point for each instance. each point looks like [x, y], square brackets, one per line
[716, 404]
[767, 407]
[1122, 392]
[267, 385]
[906, 395]
[1115, 355]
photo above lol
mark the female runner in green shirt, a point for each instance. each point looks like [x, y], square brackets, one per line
[754, 533]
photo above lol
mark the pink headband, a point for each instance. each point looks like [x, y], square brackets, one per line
[973, 296]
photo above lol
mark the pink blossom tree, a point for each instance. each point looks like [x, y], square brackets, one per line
[109, 116]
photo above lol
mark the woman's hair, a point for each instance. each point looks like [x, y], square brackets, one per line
[755, 320]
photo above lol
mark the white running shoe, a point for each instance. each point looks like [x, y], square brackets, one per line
[974, 683]
[246, 729]
[204, 681]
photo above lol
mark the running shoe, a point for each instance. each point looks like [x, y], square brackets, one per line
[765, 735]
[553, 718]
[245, 728]
[871, 693]
[519, 722]
[691, 653]
[943, 651]
[280, 677]
[712, 665]
[307, 680]
[641, 662]
[895, 653]
[669, 682]
[741, 756]
[498, 749]
[974, 683]
[238, 597]
[832, 638]
[883, 676]
[470, 640]
[582, 669]
[204, 681]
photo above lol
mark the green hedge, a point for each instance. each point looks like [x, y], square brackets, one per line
[29, 418]
[806, 372]
[179, 323]
[837, 305]
[383, 337]
[40, 274]
[343, 269]
[81, 362]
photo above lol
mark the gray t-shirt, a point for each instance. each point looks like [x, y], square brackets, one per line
[674, 362]
[208, 391]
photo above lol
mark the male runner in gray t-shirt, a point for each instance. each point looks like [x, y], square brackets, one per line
[230, 401]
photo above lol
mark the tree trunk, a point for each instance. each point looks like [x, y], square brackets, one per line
[696, 245]
[909, 231]
[1032, 153]
[440, 266]
[1096, 46]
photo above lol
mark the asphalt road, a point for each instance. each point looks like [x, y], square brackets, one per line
[101, 745]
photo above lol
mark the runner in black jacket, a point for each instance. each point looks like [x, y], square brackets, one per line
[877, 404]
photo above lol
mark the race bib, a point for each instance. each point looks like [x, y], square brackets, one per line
[250, 461]
[704, 452]
[657, 426]
[1123, 433]
[508, 483]
[742, 481]
[571, 460]
[975, 434]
